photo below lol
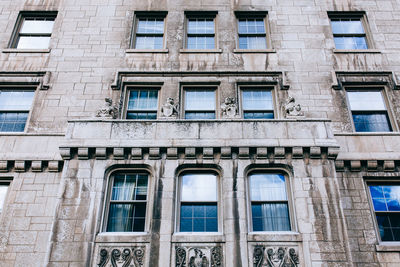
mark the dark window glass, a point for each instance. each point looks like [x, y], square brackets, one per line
[349, 33]
[149, 33]
[127, 204]
[269, 203]
[198, 207]
[386, 203]
[142, 104]
[14, 109]
[252, 34]
[200, 33]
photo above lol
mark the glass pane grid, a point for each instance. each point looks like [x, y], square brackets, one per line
[150, 25]
[142, 104]
[349, 33]
[200, 26]
[127, 210]
[200, 42]
[16, 100]
[371, 122]
[366, 100]
[149, 42]
[199, 217]
[270, 217]
[13, 121]
[199, 100]
[252, 42]
[251, 26]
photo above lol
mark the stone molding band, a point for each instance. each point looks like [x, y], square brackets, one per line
[138, 153]
[31, 165]
[367, 165]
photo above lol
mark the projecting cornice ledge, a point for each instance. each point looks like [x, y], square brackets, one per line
[40, 78]
[199, 153]
[348, 78]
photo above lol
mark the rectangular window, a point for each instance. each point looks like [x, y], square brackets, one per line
[252, 33]
[149, 33]
[198, 203]
[349, 31]
[142, 103]
[14, 109]
[369, 111]
[200, 32]
[33, 30]
[127, 202]
[257, 103]
[3, 193]
[386, 203]
[199, 103]
[269, 202]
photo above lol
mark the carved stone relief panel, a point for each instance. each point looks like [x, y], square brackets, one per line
[198, 256]
[274, 256]
[124, 256]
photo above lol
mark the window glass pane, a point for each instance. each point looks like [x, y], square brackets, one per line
[270, 217]
[3, 193]
[37, 26]
[370, 122]
[254, 42]
[198, 218]
[141, 115]
[257, 99]
[34, 42]
[199, 99]
[368, 100]
[129, 187]
[200, 26]
[199, 115]
[389, 226]
[251, 26]
[267, 187]
[16, 100]
[13, 121]
[143, 100]
[258, 115]
[150, 25]
[199, 187]
[126, 217]
[200, 42]
[347, 26]
[149, 42]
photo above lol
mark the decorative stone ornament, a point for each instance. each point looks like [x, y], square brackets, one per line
[109, 110]
[275, 257]
[121, 257]
[198, 256]
[229, 108]
[291, 109]
[169, 109]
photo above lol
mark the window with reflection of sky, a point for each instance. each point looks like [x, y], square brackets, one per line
[199, 187]
[385, 197]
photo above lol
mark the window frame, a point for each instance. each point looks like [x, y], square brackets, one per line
[145, 15]
[289, 193]
[256, 15]
[21, 87]
[18, 25]
[384, 181]
[5, 181]
[243, 87]
[207, 87]
[129, 88]
[108, 191]
[386, 102]
[179, 201]
[362, 17]
[200, 15]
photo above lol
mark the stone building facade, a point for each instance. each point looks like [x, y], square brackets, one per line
[278, 119]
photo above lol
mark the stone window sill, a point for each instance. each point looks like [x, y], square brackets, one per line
[198, 51]
[15, 50]
[113, 237]
[284, 236]
[388, 247]
[356, 51]
[253, 51]
[149, 51]
[198, 237]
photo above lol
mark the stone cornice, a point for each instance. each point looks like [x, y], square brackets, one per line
[31, 165]
[210, 153]
[367, 165]
[348, 78]
[41, 78]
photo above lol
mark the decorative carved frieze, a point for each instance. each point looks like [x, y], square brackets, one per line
[275, 256]
[121, 257]
[202, 256]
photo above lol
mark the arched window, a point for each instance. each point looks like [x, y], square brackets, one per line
[269, 202]
[127, 202]
[198, 202]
